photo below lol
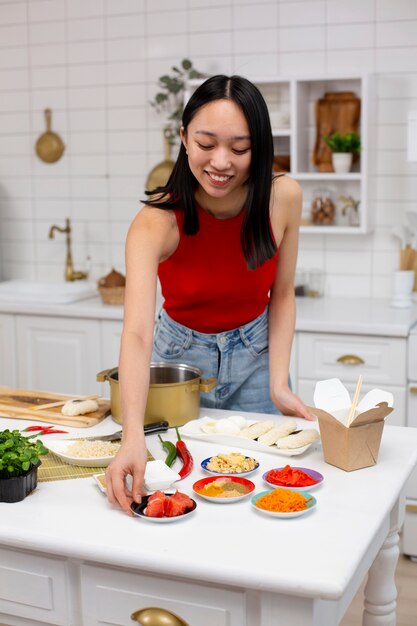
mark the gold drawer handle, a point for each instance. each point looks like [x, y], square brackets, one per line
[413, 389]
[153, 616]
[411, 508]
[350, 359]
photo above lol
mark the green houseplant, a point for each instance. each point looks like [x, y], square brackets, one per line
[343, 147]
[170, 100]
[19, 462]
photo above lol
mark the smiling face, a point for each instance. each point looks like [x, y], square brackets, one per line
[219, 154]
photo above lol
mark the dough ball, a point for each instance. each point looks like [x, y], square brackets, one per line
[81, 407]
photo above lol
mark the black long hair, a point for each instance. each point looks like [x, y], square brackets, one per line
[258, 243]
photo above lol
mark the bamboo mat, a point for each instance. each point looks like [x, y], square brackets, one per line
[53, 468]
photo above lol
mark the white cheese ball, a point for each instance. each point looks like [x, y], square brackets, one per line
[226, 427]
[239, 420]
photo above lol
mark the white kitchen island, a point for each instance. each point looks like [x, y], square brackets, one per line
[68, 558]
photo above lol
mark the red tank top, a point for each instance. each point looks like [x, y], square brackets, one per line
[206, 283]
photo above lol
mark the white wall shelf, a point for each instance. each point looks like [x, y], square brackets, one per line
[291, 102]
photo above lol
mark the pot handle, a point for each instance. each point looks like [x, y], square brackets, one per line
[207, 384]
[103, 376]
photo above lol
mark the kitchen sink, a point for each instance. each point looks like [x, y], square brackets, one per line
[45, 292]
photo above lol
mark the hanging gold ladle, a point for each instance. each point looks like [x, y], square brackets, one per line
[49, 146]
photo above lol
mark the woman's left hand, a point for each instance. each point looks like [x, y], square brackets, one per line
[290, 404]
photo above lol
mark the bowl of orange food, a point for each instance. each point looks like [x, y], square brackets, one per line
[283, 503]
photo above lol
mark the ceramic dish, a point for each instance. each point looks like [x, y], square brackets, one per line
[209, 471]
[60, 447]
[157, 476]
[100, 480]
[310, 505]
[192, 430]
[314, 475]
[241, 483]
[138, 510]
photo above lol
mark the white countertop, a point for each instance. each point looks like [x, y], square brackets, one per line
[361, 316]
[314, 555]
[364, 316]
[90, 308]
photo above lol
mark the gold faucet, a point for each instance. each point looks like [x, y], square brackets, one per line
[70, 274]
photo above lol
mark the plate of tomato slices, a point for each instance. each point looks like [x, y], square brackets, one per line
[294, 478]
[163, 507]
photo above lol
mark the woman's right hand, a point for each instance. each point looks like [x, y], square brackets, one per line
[130, 460]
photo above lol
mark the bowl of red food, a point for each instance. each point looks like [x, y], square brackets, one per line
[163, 507]
[294, 478]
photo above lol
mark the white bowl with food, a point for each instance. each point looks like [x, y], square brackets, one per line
[83, 452]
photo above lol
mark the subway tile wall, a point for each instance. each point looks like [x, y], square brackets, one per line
[95, 63]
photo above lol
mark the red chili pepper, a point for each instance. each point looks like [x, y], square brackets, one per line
[185, 456]
[45, 430]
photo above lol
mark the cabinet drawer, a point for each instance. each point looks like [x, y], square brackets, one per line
[380, 360]
[110, 596]
[396, 418]
[33, 587]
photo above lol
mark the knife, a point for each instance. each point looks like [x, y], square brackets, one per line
[149, 429]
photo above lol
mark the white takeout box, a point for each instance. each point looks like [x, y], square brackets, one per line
[357, 445]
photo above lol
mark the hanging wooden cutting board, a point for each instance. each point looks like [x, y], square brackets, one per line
[16, 403]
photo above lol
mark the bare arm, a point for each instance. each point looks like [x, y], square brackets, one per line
[153, 235]
[285, 218]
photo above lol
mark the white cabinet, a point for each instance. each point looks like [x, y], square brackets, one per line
[381, 360]
[61, 354]
[111, 596]
[34, 588]
[291, 102]
[58, 354]
[8, 362]
[111, 333]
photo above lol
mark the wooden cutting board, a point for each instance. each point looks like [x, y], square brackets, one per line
[16, 403]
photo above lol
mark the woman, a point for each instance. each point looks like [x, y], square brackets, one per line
[222, 235]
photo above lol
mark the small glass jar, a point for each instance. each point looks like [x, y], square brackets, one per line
[315, 283]
[322, 208]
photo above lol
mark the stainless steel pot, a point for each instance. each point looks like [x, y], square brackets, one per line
[174, 392]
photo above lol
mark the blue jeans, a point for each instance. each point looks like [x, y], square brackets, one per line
[238, 358]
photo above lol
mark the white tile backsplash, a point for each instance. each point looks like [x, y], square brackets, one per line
[44, 33]
[350, 11]
[125, 49]
[212, 19]
[13, 13]
[398, 10]
[81, 8]
[350, 36]
[302, 13]
[85, 29]
[305, 38]
[397, 33]
[221, 43]
[13, 57]
[95, 63]
[46, 10]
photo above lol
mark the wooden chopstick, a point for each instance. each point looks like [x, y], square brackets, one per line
[354, 402]
[51, 405]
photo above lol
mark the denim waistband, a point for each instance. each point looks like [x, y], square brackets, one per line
[244, 333]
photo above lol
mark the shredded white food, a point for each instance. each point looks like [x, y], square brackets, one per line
[82, 448]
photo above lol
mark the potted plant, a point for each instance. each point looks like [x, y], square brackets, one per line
[170, 100]
[343, 147]
[19, 462]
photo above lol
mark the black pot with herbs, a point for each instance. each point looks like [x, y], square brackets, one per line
[19, 462]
